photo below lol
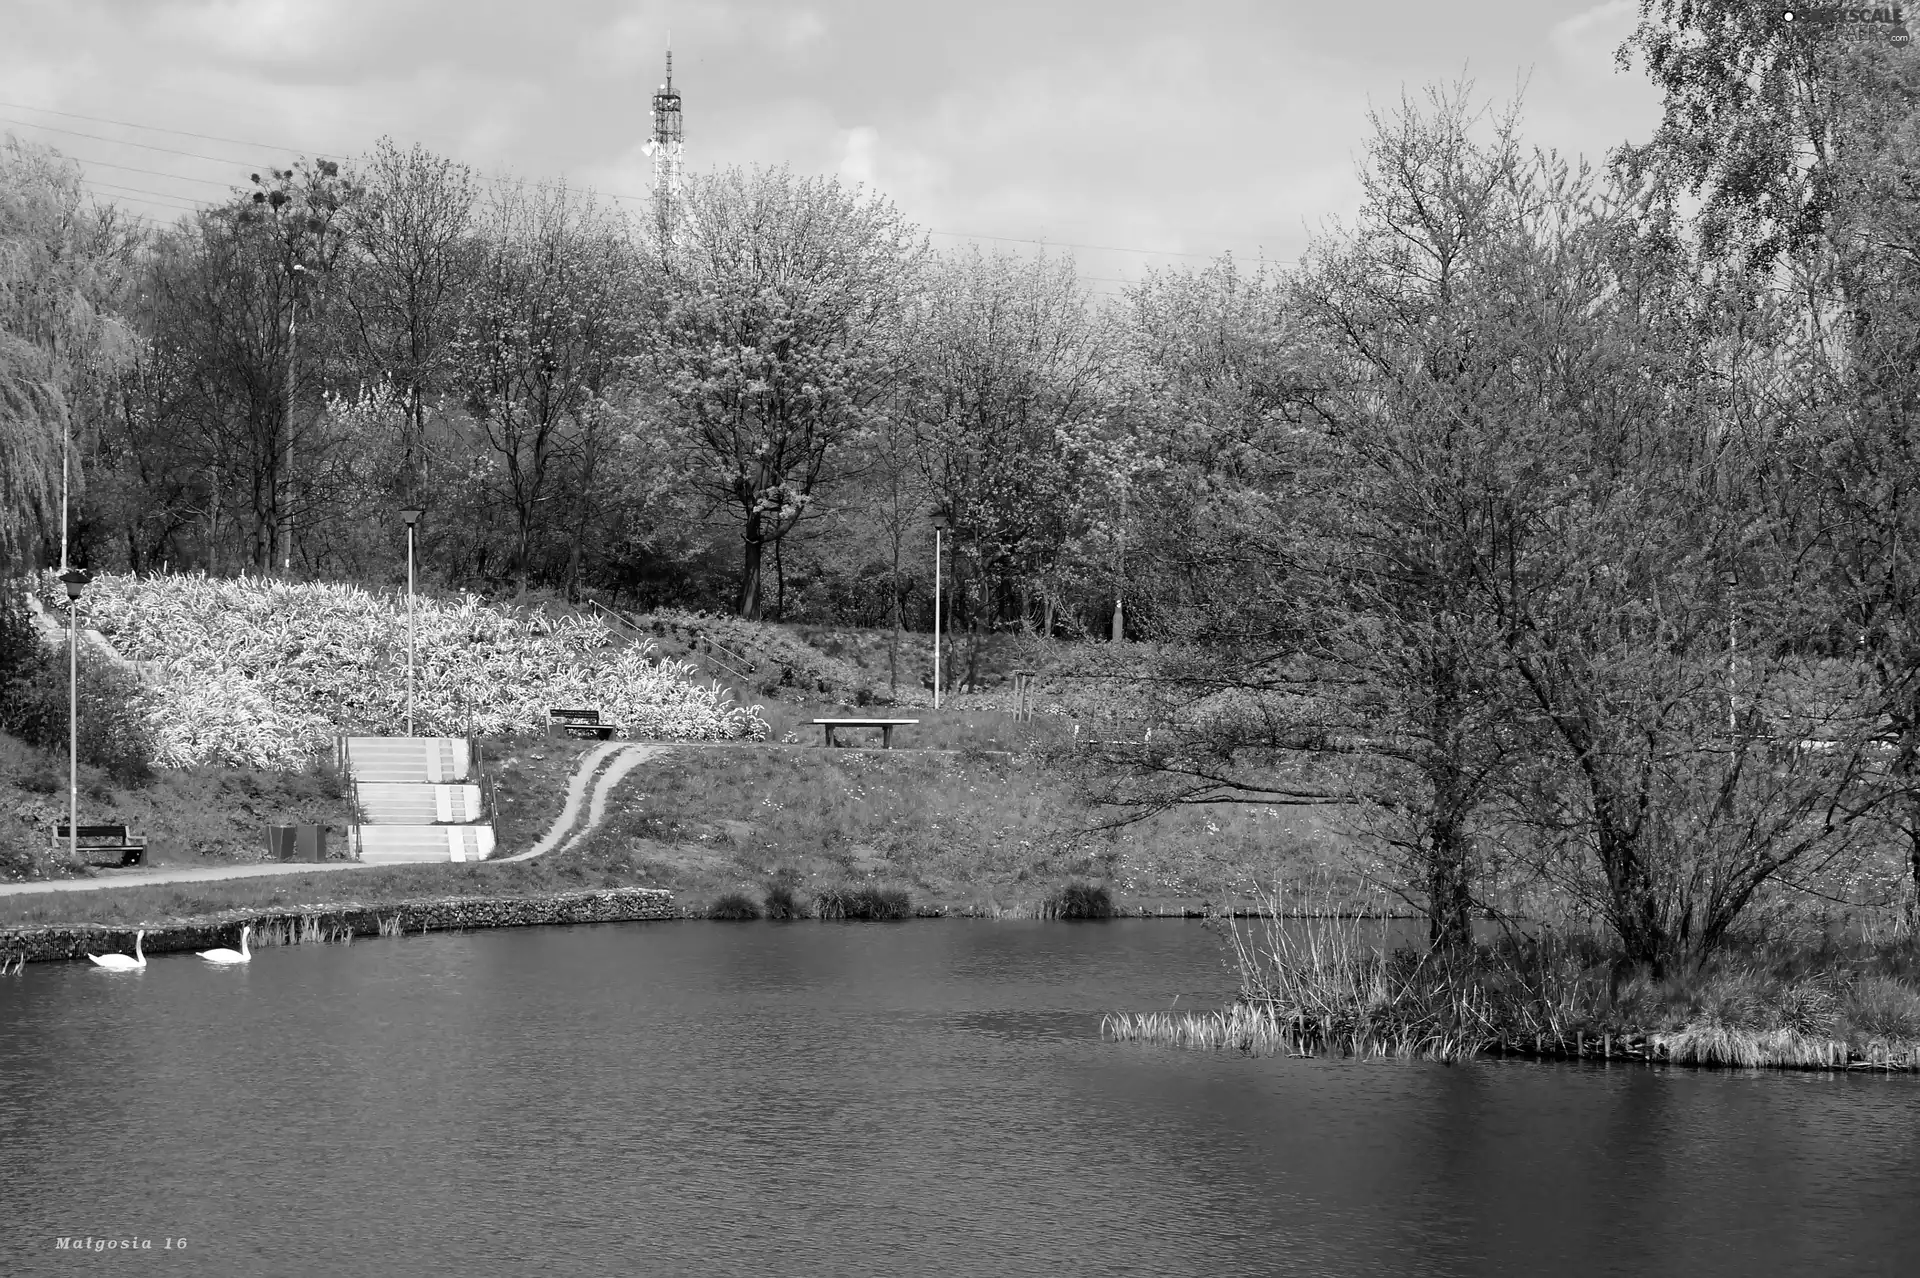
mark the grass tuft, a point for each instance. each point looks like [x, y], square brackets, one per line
[1079, 901]
[781, 903]
[864, 902]
[734, 907]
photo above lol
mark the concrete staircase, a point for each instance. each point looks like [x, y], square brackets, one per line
[419, 799]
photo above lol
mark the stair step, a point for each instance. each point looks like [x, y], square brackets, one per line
[415, 759]
[404, 844]
[411, 803]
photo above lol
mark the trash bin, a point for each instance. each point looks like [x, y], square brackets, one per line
[280, 842]
[310, 843]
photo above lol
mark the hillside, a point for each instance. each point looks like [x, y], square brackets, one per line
[254, 672]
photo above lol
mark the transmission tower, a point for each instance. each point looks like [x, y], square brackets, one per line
[665, 148]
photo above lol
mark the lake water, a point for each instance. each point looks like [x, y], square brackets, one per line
[924, 1098]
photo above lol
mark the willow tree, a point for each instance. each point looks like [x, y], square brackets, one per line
[64, 265]
[776, 338]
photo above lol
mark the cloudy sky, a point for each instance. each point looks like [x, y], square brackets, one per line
[1152, 130]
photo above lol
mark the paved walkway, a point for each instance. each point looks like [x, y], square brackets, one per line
[629, 756]
[181, 874]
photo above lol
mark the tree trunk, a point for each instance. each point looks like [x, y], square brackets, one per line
[747, 605]
[1449, 886]
[779, 578]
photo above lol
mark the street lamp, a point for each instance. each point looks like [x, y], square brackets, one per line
[412, 517]
[940, 524]
[1731, 580]
[76, 580]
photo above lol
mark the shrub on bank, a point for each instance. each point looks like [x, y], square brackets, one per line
[734, 907]
[864, 902]
[110, 710]
[1078, 901]
[781, 903]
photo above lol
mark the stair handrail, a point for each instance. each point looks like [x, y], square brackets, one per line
[708, 639]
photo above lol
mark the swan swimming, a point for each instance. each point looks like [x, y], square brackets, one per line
[240, 955]
[120, 962]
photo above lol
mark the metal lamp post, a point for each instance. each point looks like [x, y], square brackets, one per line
[412, 517]
[75, 580]
[1731, 580]
[940, 524]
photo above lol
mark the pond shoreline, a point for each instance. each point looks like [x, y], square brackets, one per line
[339, 921]
[331, 921]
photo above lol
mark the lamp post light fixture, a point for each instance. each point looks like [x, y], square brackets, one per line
[940, 524]
[75, 580]
[412, 517]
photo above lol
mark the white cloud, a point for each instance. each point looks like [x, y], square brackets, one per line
[858, 154]
[1585, 43]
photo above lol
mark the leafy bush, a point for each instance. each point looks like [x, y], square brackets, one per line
[1079, 901]
[734, 907]
[263, 673]
[863, 903]
[111, 709]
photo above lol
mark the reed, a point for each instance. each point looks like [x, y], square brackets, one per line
[1319, 984]
[389, 925]
[306, 929]
[862, 902]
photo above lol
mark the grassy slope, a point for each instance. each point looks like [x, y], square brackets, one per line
[965, 829]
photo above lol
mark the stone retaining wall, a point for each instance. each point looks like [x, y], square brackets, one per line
[437, 914]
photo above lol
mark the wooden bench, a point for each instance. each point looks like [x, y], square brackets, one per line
[886, 727]
[106, 838]
[580, 723]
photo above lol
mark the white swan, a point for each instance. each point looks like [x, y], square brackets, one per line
[120, 962]
[240, 955]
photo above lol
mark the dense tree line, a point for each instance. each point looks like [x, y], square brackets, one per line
[1560, 519]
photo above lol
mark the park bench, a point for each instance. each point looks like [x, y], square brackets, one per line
[106, 838]
[886, 727]
[580, 723]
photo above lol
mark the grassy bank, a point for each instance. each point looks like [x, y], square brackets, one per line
[1329, 986]
[968, 832]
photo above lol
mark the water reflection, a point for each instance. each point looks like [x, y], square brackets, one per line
[924, 1098]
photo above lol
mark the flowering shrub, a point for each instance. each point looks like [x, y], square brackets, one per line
[262, 673]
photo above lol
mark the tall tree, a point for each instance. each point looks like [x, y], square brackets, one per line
[1012, 398]
[409, 254]
[64, 270]
[777, 338]
[547, 334]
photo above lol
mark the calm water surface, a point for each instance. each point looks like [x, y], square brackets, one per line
[927, 1098]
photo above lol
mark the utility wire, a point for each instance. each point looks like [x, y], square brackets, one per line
[483, 178]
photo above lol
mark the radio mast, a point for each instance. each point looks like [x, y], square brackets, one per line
[666, 149]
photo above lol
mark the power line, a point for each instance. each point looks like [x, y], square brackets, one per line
[484, 178]
[148, 146]
[152, 128]
[159, 197]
